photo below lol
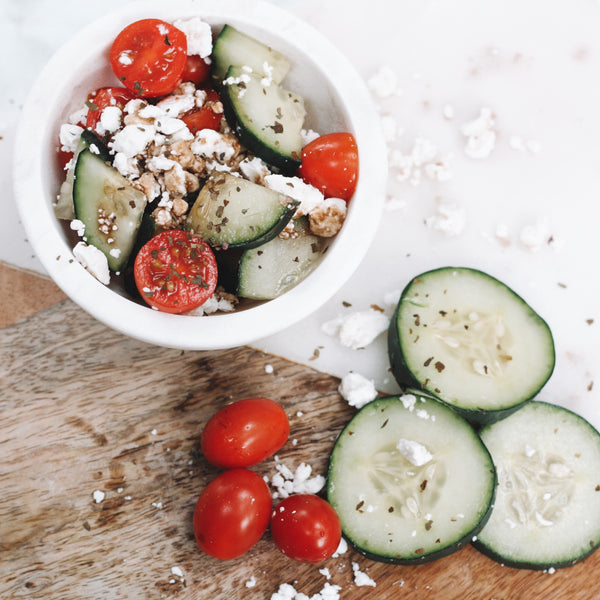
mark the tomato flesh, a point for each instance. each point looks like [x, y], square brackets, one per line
[175, 271]
[149, 57]
[207, 116]
[244, 433]
[101, 99]
[196, 70]
[232, 514]
[330, 163]
[306, 528]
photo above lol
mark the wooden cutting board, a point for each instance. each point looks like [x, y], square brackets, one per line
[84, 409]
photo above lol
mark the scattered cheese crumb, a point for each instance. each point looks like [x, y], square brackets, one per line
[361, 578]
[358, 329]
[98, 496]
[157, 505]
[449, 219]
[384, 83]
[198, 34]
[177, 571]
[269, 369]
[357, 390]
[93, 260]
[299, 481]
[480, 134]
[414, 452]
[535, 236]
[341, 549]
[251, 582]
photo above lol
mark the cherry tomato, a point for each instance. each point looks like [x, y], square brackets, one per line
[306, 528]
[244, 433]
[330, 163]
[64, 158]
[149, 56]
[175, 271]
[103, 97]
[204, 117]
[196, 70]
[232, 513]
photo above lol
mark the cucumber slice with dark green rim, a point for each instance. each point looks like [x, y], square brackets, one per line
[410, 480]
[267, 119]
[64, 208]
[231, 212]
[272, 269]
[469, 340]
[547, 508]
[109, 206]
[232, 47]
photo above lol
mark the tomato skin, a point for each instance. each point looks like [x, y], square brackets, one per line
[232, 514]
[103, 97]
[244, 433]
[175, 271]
[205, 117]
[149, 56]
[306, 528]
[196, 70]
[330, 163]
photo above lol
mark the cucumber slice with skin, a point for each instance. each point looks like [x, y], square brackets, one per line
[547, 508]
[410, 480]
[266, 118]
[109, 206]
[232, 47]
[231, 212]
[272, 269]
[469, 340]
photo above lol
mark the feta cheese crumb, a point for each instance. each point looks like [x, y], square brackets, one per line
[358, 329]
[69, 137]
[535, 236]
[299, 481]
[325, 572]
[341, 549]
[357, 390]
[449, 219]
[177, 571]
[360, 577]
[480, 134]
[308, 196]
[251, 582]
[98, 496]
[78, 226]
[414, 452]
[93, 260]
[384, 82]
[198, 34]
[269, 369]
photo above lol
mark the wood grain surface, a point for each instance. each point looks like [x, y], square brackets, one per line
[84, 409]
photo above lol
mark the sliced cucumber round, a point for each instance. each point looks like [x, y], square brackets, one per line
[410, 480]
[231, 212]
[547, 508]
[466, 338]
[266, 118]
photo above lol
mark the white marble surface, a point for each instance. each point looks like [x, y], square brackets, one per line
[530, 207]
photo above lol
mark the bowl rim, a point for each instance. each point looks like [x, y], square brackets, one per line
[217, 331]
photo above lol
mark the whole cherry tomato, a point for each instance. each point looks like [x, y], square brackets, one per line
[149, 56]
[196, 70]
[306, 528]
[232, 513]
[104, 97]
[244, 433]
[175, 271]
[330, 163]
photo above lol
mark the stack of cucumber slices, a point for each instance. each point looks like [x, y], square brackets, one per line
[465, 454]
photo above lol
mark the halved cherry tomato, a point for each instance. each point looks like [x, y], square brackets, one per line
[196, 70]
[64, 158]
[175, 271]
[330, 163]
[149, 56]
[232, 513]
[306, 528]
[107, 96]
[204, 117]
[244, 433]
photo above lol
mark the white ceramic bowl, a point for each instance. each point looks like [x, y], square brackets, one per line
[336, 99]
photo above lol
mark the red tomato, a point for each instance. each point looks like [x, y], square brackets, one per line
[330, 163]
[232, 513]
[175, 271]
[103, 97]
[244, 433]
[64, 158]
[149, 56]
[306, 528]
[204, 117]
[196, 70]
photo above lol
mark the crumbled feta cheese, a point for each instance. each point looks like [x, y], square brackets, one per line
[423, 156]
[358, 329]
[210, 143]
[78, 116]
[360, 577]
[448, 112]
[535, 236]
[300, 481]
[212, 305]
[384, 83]
[176, 105]
[357, 390]
[198, 34]
[177, 571]
[288, 592]
[251, 582]
[126, 165]
[78, 226]
[308, 196]
[308, 135]
[480, 134]
[325, 572]
[414, 452]
[169, 125]
[254, 169]
[269, 369]
[133, 139]
[449, 219]
[69, 137]
[326, 219]
[98, 496]
[110, 120]
[93, 260]
[341, 549]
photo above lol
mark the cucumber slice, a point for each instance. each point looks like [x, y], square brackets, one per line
[547, 509]
[232, 47]
[469, 340]
[266, 118]
[109, 206]
[410, 480]
[64, 208]
[272, 269]
[231, 212]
